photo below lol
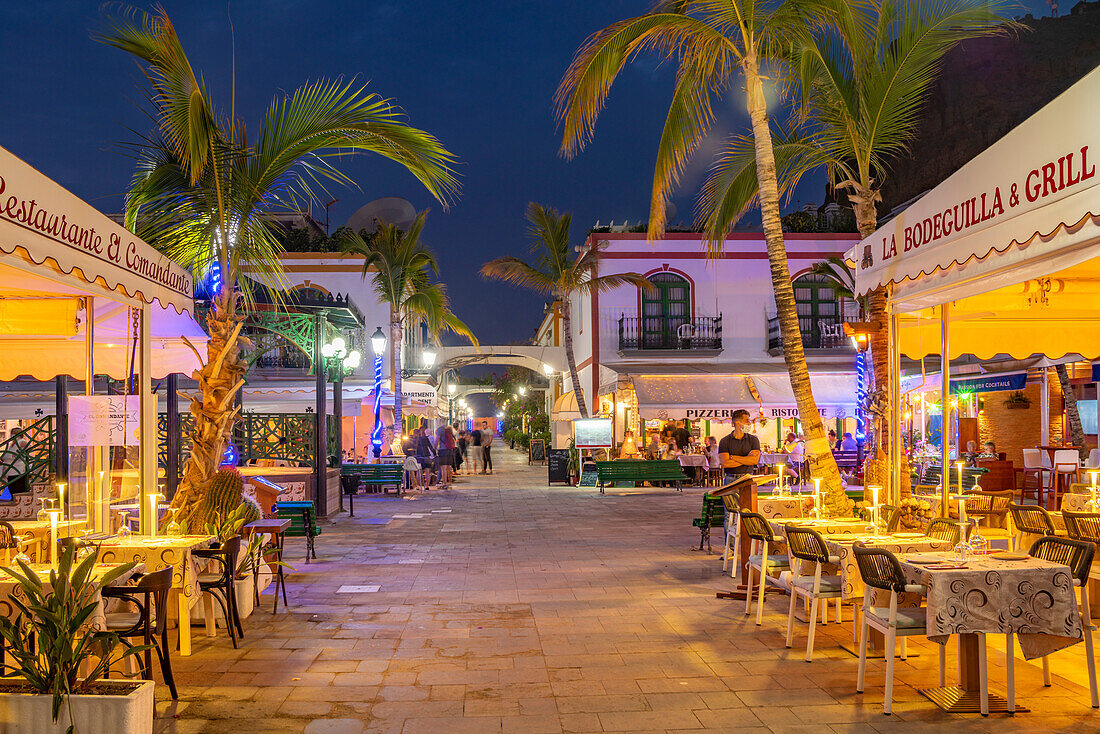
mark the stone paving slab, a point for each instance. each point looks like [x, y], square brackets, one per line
[505, 605]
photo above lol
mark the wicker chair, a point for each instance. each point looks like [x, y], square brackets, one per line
[1030, 520]
[807, 545]
[1083, 526]
[1078, 555]
[880, 570]
[761, 536]
[943, 528]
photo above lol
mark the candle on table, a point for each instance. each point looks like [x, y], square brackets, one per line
[61, 498]
[153, 514]
[817, 495]
[962, 510]
[960, 465]
[779, 470]
[1093, 475]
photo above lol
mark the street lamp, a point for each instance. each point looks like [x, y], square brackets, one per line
[429, 358]
[547, 369]
[338, 362]
[378, 344]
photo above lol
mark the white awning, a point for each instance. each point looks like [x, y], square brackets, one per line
[44, 225]
[716, 397]
[1026, 207]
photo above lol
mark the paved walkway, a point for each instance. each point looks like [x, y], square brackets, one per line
[504, 605]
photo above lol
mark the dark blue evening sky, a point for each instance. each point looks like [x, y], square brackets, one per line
[481, 76]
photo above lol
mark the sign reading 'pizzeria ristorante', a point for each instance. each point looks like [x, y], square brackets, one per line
[35, 204]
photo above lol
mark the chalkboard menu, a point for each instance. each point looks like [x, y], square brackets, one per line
[589, 476]
[537, 451]
[557, 465]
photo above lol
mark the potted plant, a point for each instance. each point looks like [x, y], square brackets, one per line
[574, 465]
[48, 643]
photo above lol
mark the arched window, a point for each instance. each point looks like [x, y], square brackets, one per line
[664, 310]
[818, 305]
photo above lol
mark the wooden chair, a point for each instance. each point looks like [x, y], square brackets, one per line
[943, 528]
[219, 586]
[1077, 554]
[150, 622]
[806, 544]
[760, 535]
[880, 569]
[1034, 466]
[1030, 520]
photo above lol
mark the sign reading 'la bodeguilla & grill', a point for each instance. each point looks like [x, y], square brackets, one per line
[33, 211]
[1039, 182]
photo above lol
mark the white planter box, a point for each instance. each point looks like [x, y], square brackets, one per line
[24, 713]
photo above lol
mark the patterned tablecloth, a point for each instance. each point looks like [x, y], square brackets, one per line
[39, 531]
[688, 460]
[840, 526]
[841, 546]
[1076, 502]
[772, 507]
[158, 553]
[1032, 598]
[9, 588]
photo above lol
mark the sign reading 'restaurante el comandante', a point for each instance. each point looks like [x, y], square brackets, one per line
[37, 204]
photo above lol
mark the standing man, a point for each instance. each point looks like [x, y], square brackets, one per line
[739, 452]
[475, 446]
[486, 445]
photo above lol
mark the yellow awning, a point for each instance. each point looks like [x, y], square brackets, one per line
[565, 408]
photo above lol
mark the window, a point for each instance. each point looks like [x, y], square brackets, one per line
[817, 304]
[664, 310]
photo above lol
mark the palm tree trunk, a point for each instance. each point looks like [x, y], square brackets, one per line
[566, 326]
[819, 454]
[220, 376]
[1073, 415]
[396, 338]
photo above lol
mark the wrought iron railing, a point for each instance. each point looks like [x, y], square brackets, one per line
[684, 334]
[820, 333]
[29, 452]
[281, 436]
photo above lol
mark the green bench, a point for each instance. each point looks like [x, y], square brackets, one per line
[713, 515]
[354, 477]
[971, 475]
[303, 523]
[661, 470]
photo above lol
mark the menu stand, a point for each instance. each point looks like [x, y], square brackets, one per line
[745, 489]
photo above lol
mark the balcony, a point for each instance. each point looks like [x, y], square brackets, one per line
[701, 335]
[821, 334]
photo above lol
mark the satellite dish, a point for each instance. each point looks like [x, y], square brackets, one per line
[390, 210]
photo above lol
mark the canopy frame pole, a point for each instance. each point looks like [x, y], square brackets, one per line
[945, 409]
[147, 424]
[1044, 409]
[172, 436]
[894, 388]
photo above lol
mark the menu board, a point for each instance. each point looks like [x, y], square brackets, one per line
[537, 451]
[592, 433]
[557, 466]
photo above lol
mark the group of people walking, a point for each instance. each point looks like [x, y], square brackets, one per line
[433, 458]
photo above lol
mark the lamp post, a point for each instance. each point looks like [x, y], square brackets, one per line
[339, 362]
[451, 402]
[378, 344]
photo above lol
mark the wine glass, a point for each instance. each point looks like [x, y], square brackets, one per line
[173, 527]
[124, 530]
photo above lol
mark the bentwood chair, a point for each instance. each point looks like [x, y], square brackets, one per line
[150, 622]
[1030, 520]
[10, 541]
[943, 528]
[760, 537]
[880, 569]
[1078, 555]
[805, 544]
[219, 585]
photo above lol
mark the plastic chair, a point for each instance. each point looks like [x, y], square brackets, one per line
[808, 545]
[1030, 520]
[1078, 555]
[1036, 463]
[219, 585]
[943, 528]
[1093, 462]
[1067, 463]
[733, 534]
[150, 622]
[760, 535]
[880, 569]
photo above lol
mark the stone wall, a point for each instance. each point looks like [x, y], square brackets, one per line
[1015, 429]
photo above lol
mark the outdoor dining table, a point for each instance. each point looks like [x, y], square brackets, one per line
[1032, 598]
[826, 526]
[696, 462]
[11, 589]
[1076, 502]
[773, 506]
[840, 545]
[275, 527]
[39, 532]
[172, 551]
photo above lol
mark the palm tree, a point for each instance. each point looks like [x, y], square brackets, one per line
[864, 79]
[554, 273]
[399, 268]
[203, 194]
[712, 41]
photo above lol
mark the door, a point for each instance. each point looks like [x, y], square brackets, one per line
[664, 310]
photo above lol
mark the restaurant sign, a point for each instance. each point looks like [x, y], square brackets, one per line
[772, 412]
[103, 420]
[989, 383]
